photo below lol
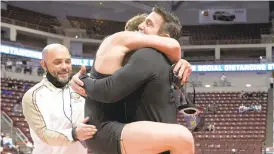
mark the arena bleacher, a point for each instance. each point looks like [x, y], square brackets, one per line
[226, 34]
[97, 29]
[243, 132]
[30, 19]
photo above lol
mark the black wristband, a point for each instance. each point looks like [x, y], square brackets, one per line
[73, 133]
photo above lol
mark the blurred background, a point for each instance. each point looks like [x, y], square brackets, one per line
[229, 44]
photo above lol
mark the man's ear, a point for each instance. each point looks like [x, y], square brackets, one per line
[164, 35]
[42, 63]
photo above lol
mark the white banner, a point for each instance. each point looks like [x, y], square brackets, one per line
[222, 16]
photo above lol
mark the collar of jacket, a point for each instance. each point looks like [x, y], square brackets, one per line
[52, 87]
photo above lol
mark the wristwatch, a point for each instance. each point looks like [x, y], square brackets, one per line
[73, 133]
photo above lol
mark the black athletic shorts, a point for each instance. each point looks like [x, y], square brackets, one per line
[107, 139]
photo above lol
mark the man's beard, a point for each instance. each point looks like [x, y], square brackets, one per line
[56, 81]
[63, 80]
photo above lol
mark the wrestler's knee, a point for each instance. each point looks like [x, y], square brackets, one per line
[184, 136]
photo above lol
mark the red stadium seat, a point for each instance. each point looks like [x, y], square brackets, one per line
[230, 125]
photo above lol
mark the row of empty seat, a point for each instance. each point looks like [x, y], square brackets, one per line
[224, 147]
[226, 34]
[8, 101]
[244, 132]
[46, 22]
[230, 126]
[96, 28]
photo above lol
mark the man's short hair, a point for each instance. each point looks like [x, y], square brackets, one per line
[134, 22]
[171, 25]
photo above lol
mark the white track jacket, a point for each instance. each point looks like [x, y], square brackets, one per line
[51, 114]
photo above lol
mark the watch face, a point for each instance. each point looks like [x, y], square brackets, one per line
[175, 79]
[178, 83]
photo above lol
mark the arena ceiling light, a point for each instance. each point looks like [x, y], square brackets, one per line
[207, 86]
[248, 85]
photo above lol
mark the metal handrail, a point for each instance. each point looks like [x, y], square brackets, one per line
[7, 119]
[21, 135]
[18, 132]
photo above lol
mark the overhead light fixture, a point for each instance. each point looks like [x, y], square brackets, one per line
[248, 85]
[101, 3]
[207, 85]
[76, 36]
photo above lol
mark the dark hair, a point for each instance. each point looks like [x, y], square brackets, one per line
[171, 25]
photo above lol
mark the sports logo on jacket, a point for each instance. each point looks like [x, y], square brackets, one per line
[76, 97]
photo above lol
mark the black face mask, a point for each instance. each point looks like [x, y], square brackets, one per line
[54, 80]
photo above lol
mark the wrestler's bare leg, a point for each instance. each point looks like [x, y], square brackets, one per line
[148, 137]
